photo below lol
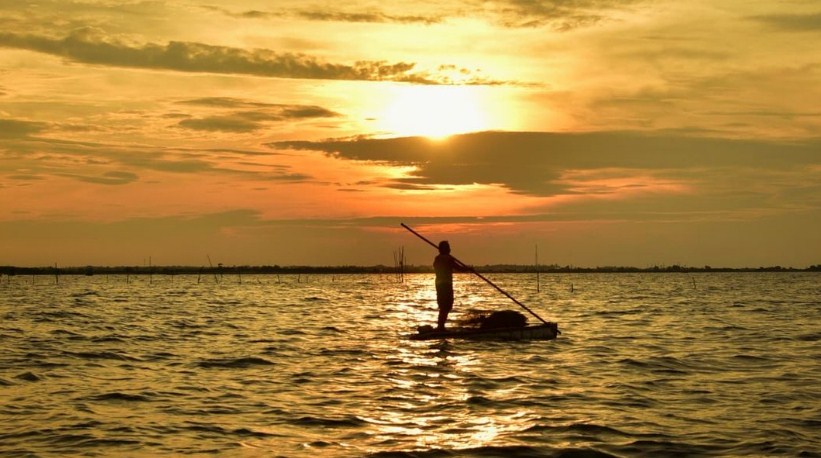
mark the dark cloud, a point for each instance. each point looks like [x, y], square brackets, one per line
[374, 17]
[249, 120]
[273, 110]
[535, 163]
[107, 178]
[225, 102]
[792, 22]
[787, 115]
[560, 15]
[47, 157]
[15, 128]
[251, 14]
[332, 16]
[238, 123]
[299, 112]
[92, 46]
[25, 177]
[286, 177]
[175, 166]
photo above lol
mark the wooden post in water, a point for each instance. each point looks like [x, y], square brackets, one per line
[399, 263]
[402, 264]
[538, 283]
[212, 268]
[56, 275]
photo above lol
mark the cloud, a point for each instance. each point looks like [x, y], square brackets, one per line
[306, 111]
[254, 116]
[225, 102]
[24, 158]
[709, 174]
[332, 16]
[560, 15]
[107, 178]
[25, 177]
[792, 22]
[283, 111]
[93, 46]
[237, 122]
[15, 128]
[374, 17]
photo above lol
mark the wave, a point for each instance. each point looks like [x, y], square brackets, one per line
[666, 365]
[580, 428]
[275, 375]
[217, 430]
[479, 400]
[160, 356]
[235, 363]
[120, 396]
[664, 446]
[810, 337]
[346, 421]
[343, 352]
[510, 451]
[108, 339]
[66, 333]
[88, 441]
[101, 355]
[61, 316]
[29, 377]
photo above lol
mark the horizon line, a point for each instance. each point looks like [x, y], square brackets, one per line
[181, 269]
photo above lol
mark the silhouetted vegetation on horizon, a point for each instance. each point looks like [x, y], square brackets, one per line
[377, 269]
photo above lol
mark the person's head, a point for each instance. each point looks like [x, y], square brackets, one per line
[444, 247]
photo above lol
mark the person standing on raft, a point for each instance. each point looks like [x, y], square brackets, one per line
[444, 264]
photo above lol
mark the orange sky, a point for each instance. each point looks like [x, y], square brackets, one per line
[607, 133]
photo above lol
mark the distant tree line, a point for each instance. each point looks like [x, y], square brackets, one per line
[377, 269]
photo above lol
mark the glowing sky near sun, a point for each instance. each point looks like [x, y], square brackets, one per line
[291, 132]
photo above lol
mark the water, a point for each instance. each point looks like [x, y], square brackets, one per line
[647, 365]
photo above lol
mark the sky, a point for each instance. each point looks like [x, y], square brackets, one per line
[250, 132]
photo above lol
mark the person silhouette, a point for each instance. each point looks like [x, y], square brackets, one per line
[444, 265]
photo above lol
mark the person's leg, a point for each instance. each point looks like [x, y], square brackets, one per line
[444, 297]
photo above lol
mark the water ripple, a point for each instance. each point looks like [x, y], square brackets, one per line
[647, 365]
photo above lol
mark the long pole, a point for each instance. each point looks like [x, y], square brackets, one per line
[478, 275]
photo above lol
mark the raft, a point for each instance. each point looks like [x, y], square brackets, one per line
[547, 331]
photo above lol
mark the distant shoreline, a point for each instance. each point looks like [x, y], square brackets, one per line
[377, 269]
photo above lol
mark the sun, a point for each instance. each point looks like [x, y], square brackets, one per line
[435, 112]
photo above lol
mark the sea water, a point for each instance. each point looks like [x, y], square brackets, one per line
[651, 364]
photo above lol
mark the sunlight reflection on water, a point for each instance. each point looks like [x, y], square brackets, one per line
[648, 364]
